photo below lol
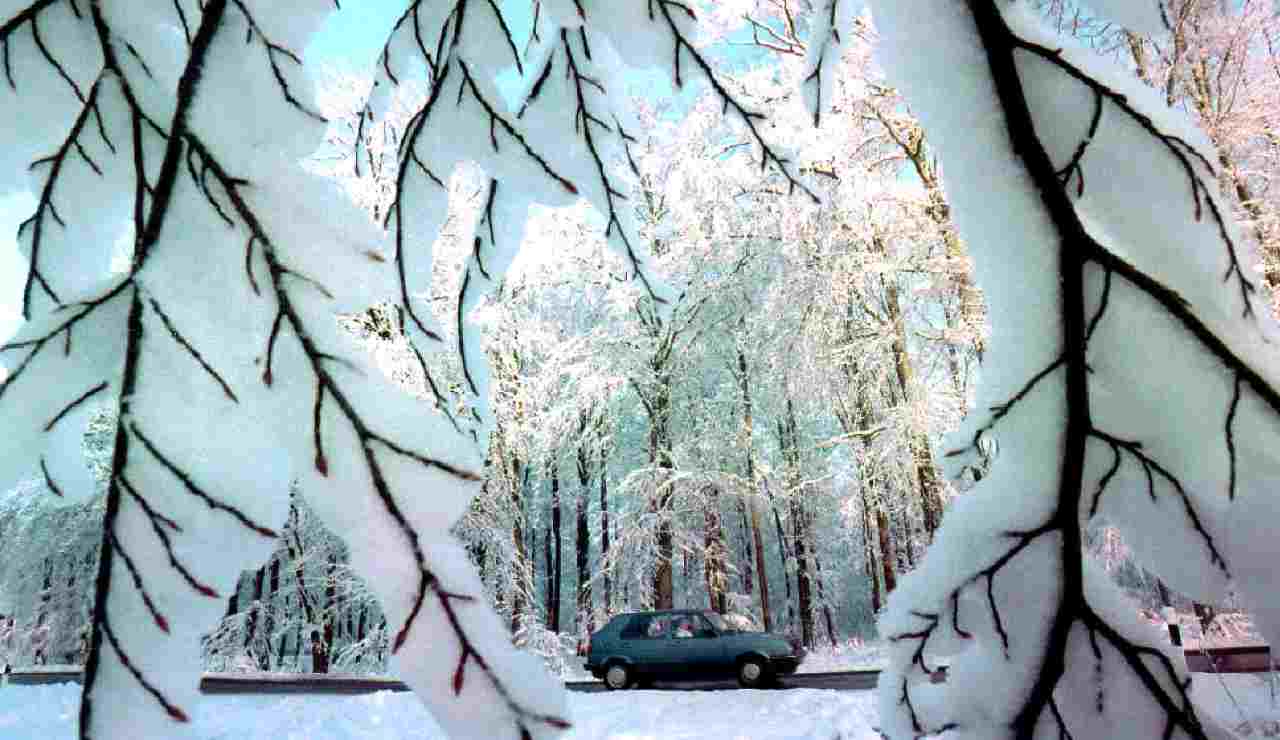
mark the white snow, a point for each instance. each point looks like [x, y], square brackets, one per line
[1242, 702]
[31, 712]
[847, 656]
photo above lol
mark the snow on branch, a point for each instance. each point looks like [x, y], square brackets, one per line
[831, 23]
[1046, 193]
[335, 378]
[276, 54]
[184, 273]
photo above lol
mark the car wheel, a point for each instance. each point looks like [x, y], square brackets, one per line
[753, 673]
[617, 677]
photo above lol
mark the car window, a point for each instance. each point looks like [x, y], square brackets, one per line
[691, 625]
[635, 627]
[741, 622]
[648, 626]
[658, 627]
[717, 621]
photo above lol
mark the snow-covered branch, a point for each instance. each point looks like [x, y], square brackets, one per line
[1094, 269]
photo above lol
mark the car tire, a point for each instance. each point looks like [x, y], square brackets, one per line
[617, 676]
[753, 673]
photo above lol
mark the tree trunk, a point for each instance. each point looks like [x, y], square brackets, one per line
[663, 575]
[251, 627]
[686, 580]
[886, 555]
[280, 648]
[789, 442]
[904, 535]
[548, 563]
[582, 542]
[604, 534]
[748, 432]
[319, 652]
[744, 567]
[766, 615]
[782, 556]
[804, 586]
[714, 554]
[321, 649]
[296, 555]
[558, 549]
[520, 564]
[269, 613]
[869, 555]
[886, 550]
[822, 597]
[660, 456]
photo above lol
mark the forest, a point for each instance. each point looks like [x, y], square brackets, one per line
[755, 412]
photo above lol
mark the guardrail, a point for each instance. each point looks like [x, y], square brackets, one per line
[1238, 659]
[237, 683]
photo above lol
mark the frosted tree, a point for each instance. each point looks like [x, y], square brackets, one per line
[1131, 376]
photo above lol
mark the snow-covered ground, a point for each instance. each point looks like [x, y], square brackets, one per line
[1243, 703]
[848, 656]
[46, 712]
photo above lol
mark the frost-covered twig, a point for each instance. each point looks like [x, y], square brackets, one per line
[751, 119]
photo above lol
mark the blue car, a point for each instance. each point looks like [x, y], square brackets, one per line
[634, 649]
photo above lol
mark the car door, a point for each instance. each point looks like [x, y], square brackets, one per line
[698, 649]
[646, 642]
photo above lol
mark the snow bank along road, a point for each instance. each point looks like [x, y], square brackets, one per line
[48, 712]
[236, 683]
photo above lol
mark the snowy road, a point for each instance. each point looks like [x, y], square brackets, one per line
[1244, 703]
[47, 712]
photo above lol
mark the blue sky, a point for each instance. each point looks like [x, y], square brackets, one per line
[354, 35]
